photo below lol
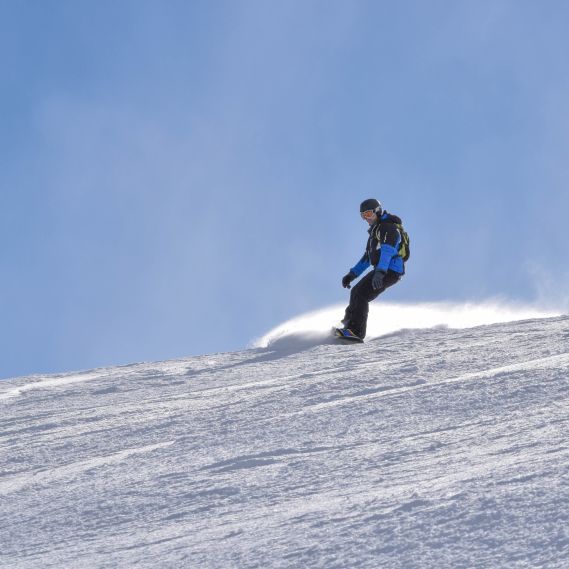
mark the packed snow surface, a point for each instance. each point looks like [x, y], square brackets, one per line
[425, 448]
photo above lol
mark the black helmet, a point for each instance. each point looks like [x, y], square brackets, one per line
[371, 204]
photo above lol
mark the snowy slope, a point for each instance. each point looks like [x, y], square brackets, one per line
[432, 448]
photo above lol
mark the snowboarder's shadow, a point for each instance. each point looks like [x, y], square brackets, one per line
[279, 348]
[290, 344]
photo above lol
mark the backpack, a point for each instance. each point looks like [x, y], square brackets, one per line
[404, 249]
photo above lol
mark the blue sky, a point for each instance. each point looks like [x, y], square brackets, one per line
[178, 177]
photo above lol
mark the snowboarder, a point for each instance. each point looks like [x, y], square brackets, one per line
[387, 250]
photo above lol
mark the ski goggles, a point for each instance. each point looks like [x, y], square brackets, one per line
[368, 214]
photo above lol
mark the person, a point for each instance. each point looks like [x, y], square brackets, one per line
[383, 252]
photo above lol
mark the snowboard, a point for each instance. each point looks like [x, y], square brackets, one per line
[345, 334]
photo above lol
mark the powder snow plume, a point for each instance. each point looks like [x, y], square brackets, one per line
[387, 318]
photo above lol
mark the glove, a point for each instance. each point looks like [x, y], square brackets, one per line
[347, 279]
[377, 280]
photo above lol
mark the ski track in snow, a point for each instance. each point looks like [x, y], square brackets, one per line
[426, 448]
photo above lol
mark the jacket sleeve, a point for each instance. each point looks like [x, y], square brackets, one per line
[389, 240]
[361, 265]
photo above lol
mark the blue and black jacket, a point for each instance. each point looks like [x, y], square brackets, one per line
[382, 249]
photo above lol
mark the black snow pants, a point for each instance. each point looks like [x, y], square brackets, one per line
[362, 294]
